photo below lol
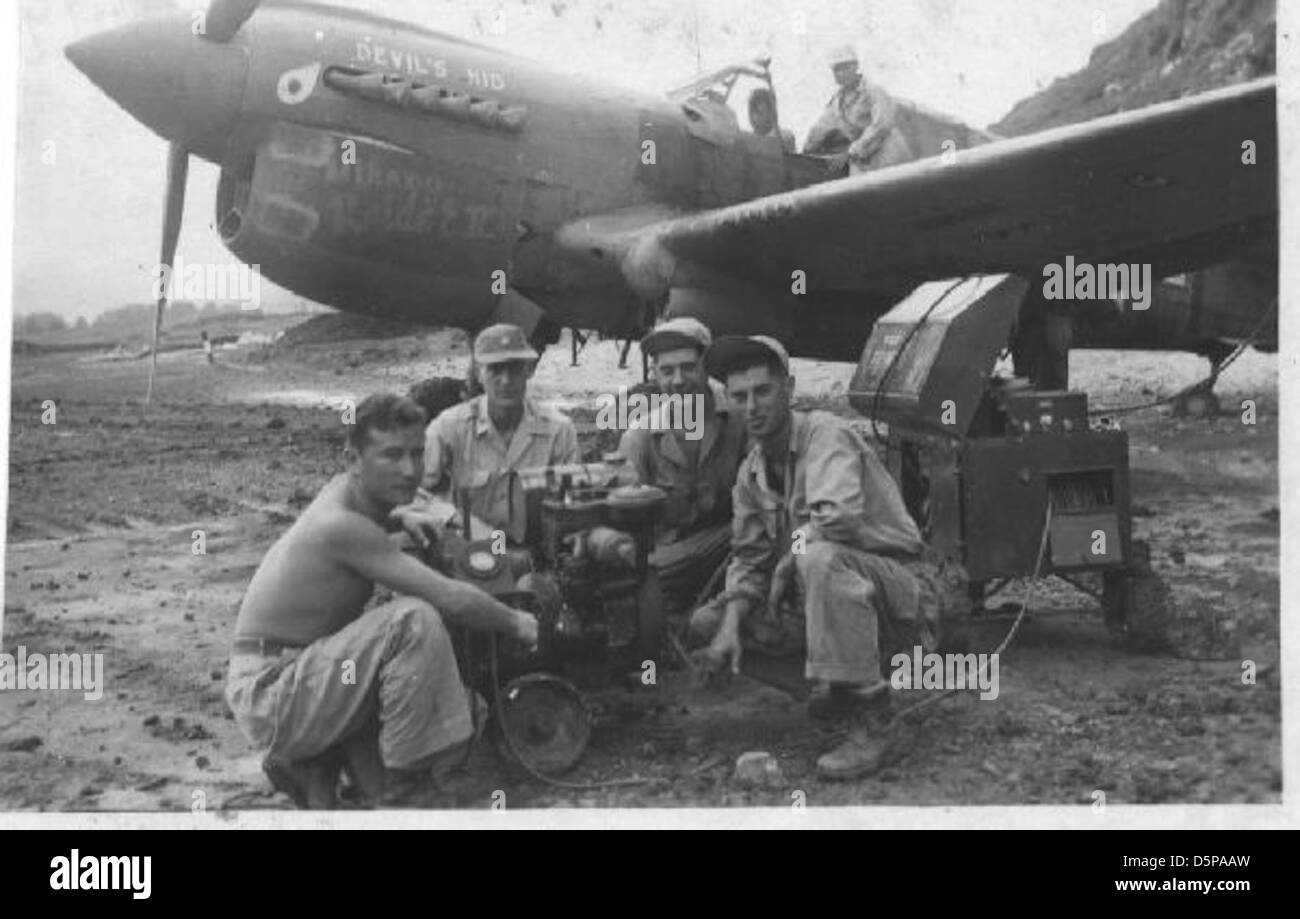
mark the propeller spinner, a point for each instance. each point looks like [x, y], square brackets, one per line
[190, 94]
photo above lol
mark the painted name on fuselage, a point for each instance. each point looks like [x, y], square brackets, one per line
[376, 199]
[373, 54]
[370, 52]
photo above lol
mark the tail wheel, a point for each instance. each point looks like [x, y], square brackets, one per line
[1200, 403]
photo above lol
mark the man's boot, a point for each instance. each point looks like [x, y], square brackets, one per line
[864, 752]
[431, 782]
[363, 767]
[312, 784]
[424, 785]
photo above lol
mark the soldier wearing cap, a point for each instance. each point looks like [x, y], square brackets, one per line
[475, 447]
[697, 474]
[812, 502]
[859, 121]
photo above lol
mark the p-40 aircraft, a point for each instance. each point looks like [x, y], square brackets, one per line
[383, 168]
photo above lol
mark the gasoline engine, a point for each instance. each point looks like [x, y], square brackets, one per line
[583, 569]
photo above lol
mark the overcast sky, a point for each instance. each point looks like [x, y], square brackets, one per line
[88, 224]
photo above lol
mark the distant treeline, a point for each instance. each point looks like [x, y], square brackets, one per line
[135, 320]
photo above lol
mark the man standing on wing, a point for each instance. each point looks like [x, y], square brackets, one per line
[859, 123]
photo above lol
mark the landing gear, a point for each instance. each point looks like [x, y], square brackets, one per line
[1040, 345]
[577, 341]
[1199, 400]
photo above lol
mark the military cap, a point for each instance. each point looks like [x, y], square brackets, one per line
[682, 332]
[732, 352]
[502, 342]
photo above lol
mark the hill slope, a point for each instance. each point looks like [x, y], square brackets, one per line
[1180, 48]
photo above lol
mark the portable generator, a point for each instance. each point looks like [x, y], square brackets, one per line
[980, 458]
[583, 569]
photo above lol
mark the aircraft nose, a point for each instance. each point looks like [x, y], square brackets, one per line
[182, 86]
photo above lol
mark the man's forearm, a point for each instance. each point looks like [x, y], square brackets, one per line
[736, 610]
[464, 604]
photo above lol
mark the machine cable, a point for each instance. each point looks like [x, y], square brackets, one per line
[1206, 383]
[1015, 626]
[898, 354]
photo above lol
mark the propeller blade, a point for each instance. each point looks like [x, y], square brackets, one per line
[178, 168]
[226, 17]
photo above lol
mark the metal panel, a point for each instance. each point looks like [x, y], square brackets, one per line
[1005, 488]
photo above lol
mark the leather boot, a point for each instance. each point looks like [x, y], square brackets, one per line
[312, 784]
[864, 752]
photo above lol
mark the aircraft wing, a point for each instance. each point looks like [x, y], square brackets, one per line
[1165, 184]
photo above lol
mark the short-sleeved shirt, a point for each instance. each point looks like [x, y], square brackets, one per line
[836, 490]
[464, 450]
[697, 477]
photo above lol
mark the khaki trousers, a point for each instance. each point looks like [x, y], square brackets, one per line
[848, 594]
[393, 667]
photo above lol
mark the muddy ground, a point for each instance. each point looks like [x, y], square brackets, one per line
[103, 507]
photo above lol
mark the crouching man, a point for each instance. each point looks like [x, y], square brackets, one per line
[813, 502]
[697, 469]
[314, 682]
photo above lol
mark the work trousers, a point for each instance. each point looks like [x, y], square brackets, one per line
[394, 666]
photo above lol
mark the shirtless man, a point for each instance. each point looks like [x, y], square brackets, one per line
[313, 681]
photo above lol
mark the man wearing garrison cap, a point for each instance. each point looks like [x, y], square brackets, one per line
[697, 472]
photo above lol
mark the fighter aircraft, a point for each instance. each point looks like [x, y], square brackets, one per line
[381, 167]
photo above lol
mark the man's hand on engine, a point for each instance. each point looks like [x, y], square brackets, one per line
[525, 630]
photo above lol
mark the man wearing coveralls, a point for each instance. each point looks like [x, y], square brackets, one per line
[859, 121]
[810, 483]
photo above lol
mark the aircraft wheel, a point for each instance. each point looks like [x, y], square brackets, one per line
[1201, 403]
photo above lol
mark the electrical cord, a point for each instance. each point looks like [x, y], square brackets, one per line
[1208, 382]
[898, 355]
[1024, 609]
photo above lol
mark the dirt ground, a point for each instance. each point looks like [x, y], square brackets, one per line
[103, 507]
